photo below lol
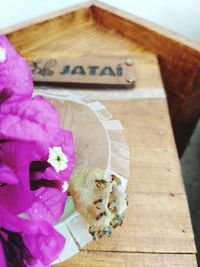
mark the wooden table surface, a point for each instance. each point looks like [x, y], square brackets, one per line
[157, 230]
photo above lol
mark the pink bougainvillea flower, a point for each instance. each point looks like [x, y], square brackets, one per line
[34, 119]
[28, 242]
[45, 205]
[15, 76]
[63, 140]
[15, 162]
[15, 193]
[43, 241]
[49, 204]
[37, 121]
[36, 162]
[7, 175]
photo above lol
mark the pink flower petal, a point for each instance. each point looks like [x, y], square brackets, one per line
[49, 204]
[17, 155]
[15, 75]
[43, 241]
[7, 175]
[33, 119]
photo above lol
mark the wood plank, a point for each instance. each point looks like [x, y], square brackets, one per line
[179, 83]
[158, 39]
[100, 9]
[154, 163]
[186, 123]
[177, 54]
[156, 223]
[155, 132]
[179, 60]
[84, 38]
[107, 259]
[157, 219]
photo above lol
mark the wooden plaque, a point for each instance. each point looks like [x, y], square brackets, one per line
[106, 72]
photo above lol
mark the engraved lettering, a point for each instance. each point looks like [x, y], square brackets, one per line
[78, 70]
[46, 70]
[119, 70]
[65, 70]
[93, 70]
[107, 71]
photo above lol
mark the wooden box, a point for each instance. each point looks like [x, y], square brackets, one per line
[157, 231]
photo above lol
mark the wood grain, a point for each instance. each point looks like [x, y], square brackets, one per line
[179, 59]
[190, 116]
[157, 230]
[153, 37]
[107, 259]
[151, 194]
[179, 86]
[154, 223]
[155, 165]
[84, 38]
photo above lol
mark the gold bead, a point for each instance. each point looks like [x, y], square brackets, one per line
[129, 62]
[130, 78]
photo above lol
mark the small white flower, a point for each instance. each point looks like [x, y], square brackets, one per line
[65, 186]
[57, 159]
[2, 54]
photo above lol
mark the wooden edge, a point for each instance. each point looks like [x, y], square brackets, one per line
[149, 33]
[179, 59]
[159, 31]
[179, 56]
[110, 259]
[28, 23]
[150, 25]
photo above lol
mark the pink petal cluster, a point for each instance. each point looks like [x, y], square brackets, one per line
[29, 185]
